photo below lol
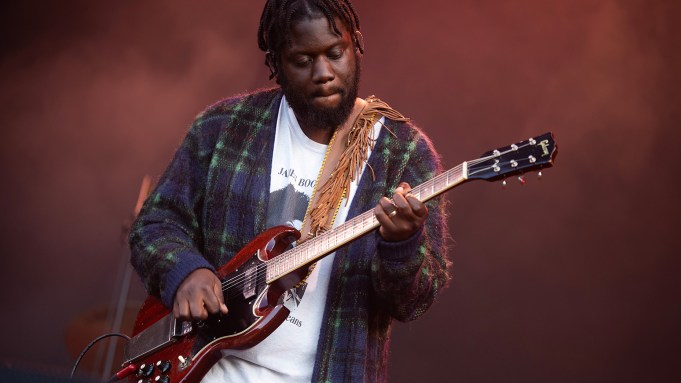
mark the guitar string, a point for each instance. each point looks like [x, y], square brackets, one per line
[302, 250]
[305, 247]
[261, 269]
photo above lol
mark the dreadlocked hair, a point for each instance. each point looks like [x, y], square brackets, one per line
[279, 15]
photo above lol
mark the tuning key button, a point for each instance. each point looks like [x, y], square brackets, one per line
[514, 147]
[514, 163]
[533, 141]
[163, 366]
[532, 159]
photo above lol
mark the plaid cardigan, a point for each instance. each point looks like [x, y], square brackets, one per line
[212, 200]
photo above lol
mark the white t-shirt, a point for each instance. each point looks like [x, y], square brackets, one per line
[288, 354]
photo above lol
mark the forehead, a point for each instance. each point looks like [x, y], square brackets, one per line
[315, 33]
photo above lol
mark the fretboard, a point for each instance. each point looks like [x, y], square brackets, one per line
[329, 241]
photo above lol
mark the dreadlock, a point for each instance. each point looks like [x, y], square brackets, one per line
[279, 15]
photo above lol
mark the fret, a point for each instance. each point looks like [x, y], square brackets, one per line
[306, 251]
[440, 183]
[315, 247]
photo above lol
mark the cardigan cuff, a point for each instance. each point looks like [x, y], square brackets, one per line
[398, 251]
[189, 261]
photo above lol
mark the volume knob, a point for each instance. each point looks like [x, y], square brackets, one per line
[145, 370]
[163, 366]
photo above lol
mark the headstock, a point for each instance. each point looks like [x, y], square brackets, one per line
[533, 154]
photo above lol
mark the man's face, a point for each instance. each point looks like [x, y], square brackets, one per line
[319, 73]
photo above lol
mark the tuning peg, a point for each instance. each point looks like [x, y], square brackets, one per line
[522, 180]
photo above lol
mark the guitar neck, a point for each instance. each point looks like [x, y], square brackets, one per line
[329, 241]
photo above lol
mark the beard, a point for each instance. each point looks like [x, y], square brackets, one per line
[322, 118]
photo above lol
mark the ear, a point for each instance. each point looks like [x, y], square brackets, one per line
[271, 62]
[359, 42]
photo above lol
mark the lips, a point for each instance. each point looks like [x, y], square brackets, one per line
[327, 98]
[326, 92]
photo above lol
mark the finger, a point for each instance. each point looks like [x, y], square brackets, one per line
[211, 302]
[197, 308]
[405, 187]
[181, 309]
[217, 290]
[401, 203]
[418, 207]
[383, 218]
[383, 210]
[387, 205]
[405, 208]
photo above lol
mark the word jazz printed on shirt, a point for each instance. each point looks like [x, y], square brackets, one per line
[291, 173]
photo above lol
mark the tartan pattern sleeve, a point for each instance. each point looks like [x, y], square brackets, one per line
[213, 196]
[166, 238]
[408, 275]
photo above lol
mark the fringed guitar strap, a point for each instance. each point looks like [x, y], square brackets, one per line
[346, 154]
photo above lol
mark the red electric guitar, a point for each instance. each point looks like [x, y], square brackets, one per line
[164, 349]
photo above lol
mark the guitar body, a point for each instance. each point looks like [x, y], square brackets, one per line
[185, 351]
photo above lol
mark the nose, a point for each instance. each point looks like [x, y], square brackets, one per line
[322, 71]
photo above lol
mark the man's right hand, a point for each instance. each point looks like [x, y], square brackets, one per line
[198, 295]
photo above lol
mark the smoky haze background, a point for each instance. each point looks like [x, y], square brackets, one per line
[571, 278]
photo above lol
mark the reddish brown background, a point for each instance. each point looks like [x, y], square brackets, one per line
[572, 278]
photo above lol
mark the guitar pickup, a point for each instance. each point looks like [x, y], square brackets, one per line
[250, 281]
[155, 337]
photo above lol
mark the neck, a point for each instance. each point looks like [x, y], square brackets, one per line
[321, 135]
